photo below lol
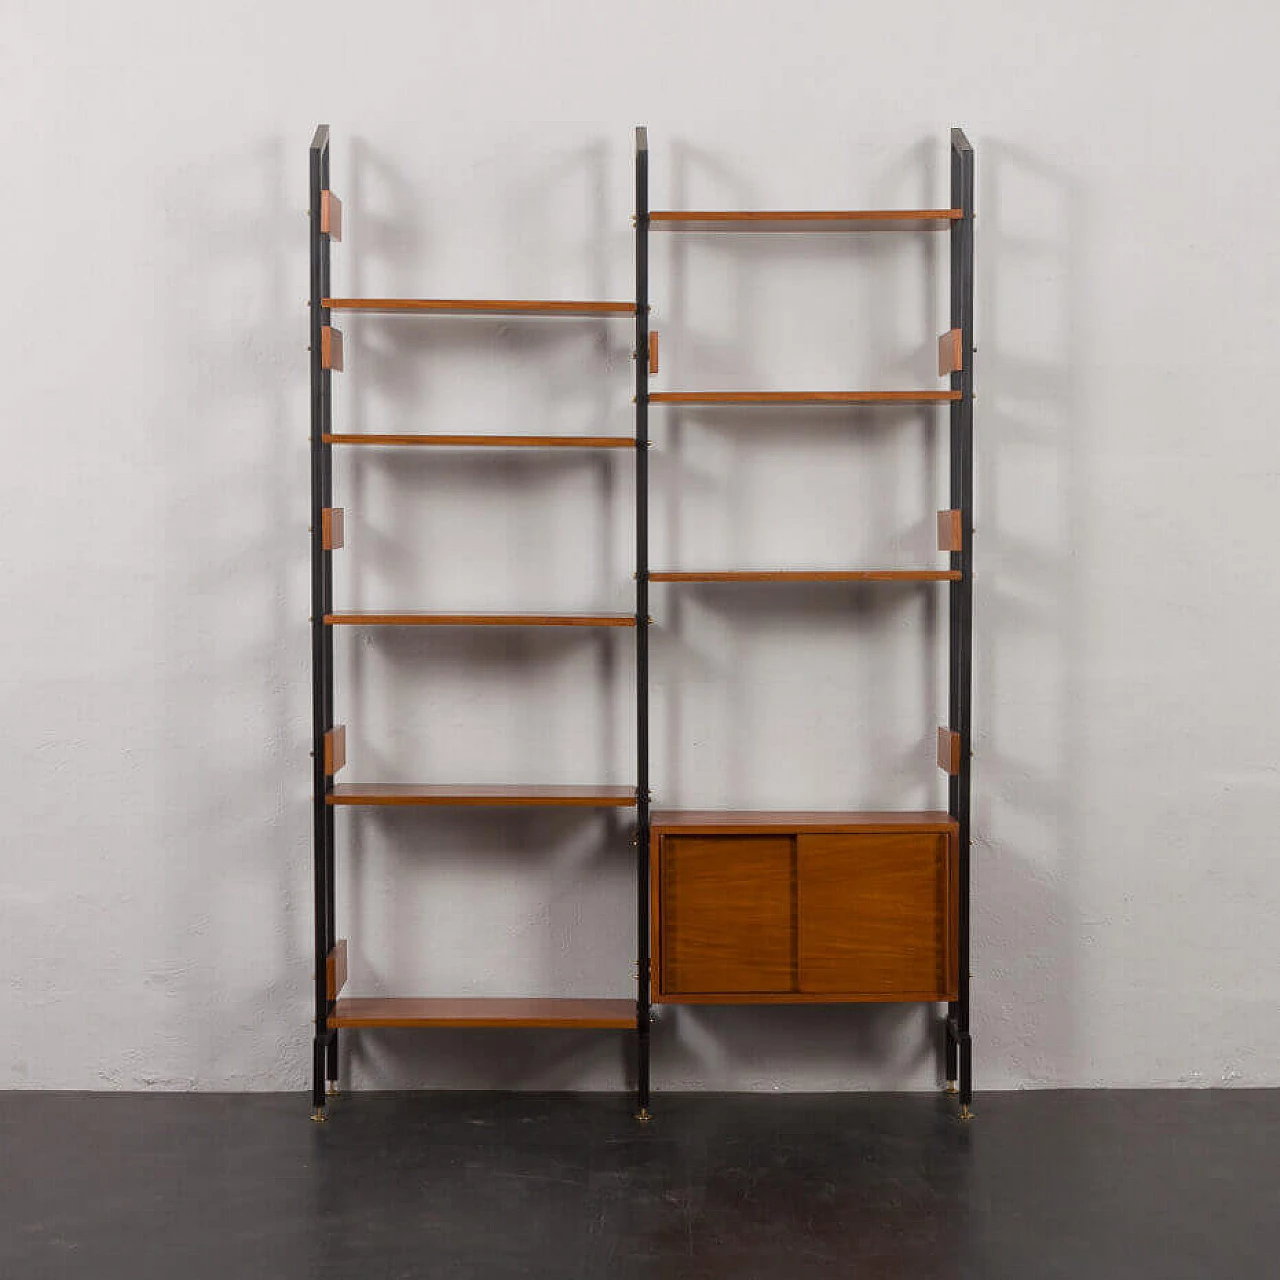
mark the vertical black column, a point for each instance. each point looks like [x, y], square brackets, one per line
[959, 1051]
[324, 1051]
[642, 623]
[326, 454]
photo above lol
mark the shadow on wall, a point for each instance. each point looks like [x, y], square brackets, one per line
[795, 488]
[232, 447]
[798, 697]
[1032, 451]
[459, 904]
[676, 485]
[712, 686]
[486, 903]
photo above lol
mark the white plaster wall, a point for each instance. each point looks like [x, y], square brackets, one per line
[154, 862]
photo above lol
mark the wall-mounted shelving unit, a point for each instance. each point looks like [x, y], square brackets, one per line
[839, 907]
[732, 907]
[335, 1012]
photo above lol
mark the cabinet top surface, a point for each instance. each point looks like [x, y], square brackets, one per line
[738, 821]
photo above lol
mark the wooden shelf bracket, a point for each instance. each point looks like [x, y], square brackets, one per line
[335, 970]
[330, 215]
[950, 352]
[335, 749]
[331, 348]
[950, 531]
[332, 528]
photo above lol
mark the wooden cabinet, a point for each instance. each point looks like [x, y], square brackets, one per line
[834, 907]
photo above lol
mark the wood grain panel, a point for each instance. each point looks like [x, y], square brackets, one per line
[484, 442]
[480, 306]
[950, 531]
[803, 397]
[875, 916]
[331, 215]
[333, 528]
[766, 821]
[448, 1011]
[481, 795]
[331, 348]
[948, 751]
[797, 997]
[335, 972]
[726, 907]
[653, 351]
[801, 219]
[806, 575]
[335, 749]
[421, 618]
[950, 352]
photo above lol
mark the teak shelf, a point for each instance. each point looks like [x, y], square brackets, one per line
[477, 307]
[806, 575]
[486, 796]
[418, 618]
[766, 821]
[401, 1011]
[732, 906]
[485, 442]
[756, 220]
[803, 397]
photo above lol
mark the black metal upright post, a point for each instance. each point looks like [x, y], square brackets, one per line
[642, 623]
[959, 1050]
[325, 1045]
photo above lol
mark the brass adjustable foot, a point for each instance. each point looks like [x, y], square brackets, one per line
[643, 1115]
[951, 1087]
[318, 1115]
[966, 1114]
[333, 1088]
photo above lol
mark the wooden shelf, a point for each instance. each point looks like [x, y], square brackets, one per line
[803, 397]
[486, 442]
[416, 618]
[766, 821]
[446, 1011]
[803, 219]
[809, 575]
[482, 796]
[478, 307]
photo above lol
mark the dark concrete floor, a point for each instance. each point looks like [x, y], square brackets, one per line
[1039, 1185]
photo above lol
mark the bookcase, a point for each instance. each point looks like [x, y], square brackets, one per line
[732, 906]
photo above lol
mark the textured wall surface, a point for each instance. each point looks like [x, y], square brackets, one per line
[154, 865]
